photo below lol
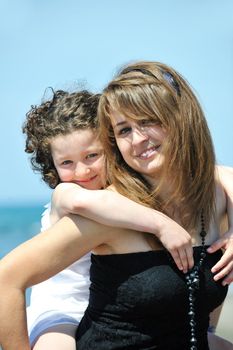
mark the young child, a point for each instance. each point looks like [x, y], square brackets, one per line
[63, 139]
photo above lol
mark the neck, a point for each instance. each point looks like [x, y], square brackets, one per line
[164, 187]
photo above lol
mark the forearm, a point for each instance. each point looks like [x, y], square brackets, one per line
[13, 329]
[112, 209]
[17, 270]
[35, 261]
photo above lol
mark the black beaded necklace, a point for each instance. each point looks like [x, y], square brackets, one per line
[192, 279]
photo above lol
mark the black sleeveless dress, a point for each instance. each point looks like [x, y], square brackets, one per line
[140, 301]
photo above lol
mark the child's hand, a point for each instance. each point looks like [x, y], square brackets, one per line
[223, 268]
[179, 244]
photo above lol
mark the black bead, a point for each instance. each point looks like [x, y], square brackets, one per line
[193, 340]
[191, 313]
[203, 233]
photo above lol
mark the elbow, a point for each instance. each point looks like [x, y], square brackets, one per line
[9, 278]
[5, 283]
[4, 273]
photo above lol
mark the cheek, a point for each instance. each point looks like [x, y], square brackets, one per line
[163, 134]
[124, 147]
[159, 133]
[65, 175]
[98, 166]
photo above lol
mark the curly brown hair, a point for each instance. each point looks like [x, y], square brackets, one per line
[64, 113]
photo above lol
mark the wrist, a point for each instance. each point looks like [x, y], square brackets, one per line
[161, 223]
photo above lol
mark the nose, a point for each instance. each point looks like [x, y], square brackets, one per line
[81, 170]
[138, 136]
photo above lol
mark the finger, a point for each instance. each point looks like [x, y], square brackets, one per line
[216, 245]
[224, 272]
[183, 259]
[228, 279]
[176, 257]
[225, 259]
[189, 253]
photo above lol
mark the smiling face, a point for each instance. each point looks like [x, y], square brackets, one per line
[79, 158]
[176, 159]
[140, 143]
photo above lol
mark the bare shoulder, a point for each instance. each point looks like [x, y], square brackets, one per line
[224, 175]
[223, 169]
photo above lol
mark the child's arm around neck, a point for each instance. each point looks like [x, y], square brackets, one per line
[110, 208]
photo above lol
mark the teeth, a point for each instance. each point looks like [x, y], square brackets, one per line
[148, 152]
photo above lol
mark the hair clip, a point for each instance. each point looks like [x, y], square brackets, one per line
[171, 81]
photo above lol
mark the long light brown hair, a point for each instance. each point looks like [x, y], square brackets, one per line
[155, 91]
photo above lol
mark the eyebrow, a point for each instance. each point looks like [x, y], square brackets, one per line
[119, 124]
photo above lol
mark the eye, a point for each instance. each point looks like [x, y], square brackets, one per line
[124, 130]
[144, 122]
[66, 162]
[92, 155]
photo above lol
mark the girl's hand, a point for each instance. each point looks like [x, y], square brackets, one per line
[224, 267]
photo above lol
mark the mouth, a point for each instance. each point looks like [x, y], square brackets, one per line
[149, 152]
[85, 180]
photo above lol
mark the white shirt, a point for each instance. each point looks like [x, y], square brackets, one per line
[62, 299]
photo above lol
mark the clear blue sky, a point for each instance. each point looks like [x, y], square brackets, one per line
[62, 42]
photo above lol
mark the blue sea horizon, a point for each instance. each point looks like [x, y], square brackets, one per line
[18, 223]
